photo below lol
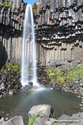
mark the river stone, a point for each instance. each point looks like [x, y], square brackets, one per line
[61, 124]
[17, 120]
[42, 110]
[80, 122]
[76, 82]
[48, 123]
[11, 92]
[38, 121]
[76, 115]
[64, 117]
[2, 120]
[76, 91]
[81, 91]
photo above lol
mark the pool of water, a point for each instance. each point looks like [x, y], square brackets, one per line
[21, 103]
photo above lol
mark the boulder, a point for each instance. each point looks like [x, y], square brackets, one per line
[80, 122]
[76, 115]
[2, 120]
[43, 110]
[38, 121]
[81, 91]
[76, 82]
[48, 123]
[64, 117]
[76, 91]
[17, 120]
[11, 92]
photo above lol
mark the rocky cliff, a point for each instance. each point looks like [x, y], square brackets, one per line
[11, 27]
[58, 30]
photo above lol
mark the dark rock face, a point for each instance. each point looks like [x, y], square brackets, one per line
[11, 26]
[9, 85]
[59, 32]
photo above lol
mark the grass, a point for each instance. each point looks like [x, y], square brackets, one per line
[64, 78]
[6, 3]
[33, 118]
[57, 122]
[10, 68]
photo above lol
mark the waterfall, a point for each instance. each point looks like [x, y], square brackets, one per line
[28, 72]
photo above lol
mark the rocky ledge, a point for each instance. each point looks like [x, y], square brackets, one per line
[45, 115]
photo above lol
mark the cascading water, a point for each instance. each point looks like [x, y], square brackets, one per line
[28, 72]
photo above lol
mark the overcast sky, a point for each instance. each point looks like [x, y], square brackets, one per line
[30, 1]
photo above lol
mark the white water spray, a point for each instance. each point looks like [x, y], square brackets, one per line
[28, 72]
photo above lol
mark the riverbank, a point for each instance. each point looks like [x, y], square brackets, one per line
[10, 79]
[45, 115]
[22, 102]
[67, 79]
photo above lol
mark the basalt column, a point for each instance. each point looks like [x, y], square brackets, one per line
[62, 30]
[1, 48]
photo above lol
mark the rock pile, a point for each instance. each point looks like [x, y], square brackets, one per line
[47, 119]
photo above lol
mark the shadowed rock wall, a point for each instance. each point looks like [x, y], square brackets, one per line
[59, 32]
[11, 27]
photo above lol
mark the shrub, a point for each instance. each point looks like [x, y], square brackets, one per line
[33, 118]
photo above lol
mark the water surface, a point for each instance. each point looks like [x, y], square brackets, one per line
[20, 104]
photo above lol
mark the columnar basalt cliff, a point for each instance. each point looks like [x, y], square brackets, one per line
[58, 29]
[59, 32]
[11, 27]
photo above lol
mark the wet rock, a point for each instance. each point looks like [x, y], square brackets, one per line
[81, 84]
[2, 112]
[11, 92]
[82, 108]
[2, 86]
[75, 116]
[71, 85]
[42, 110]
[30, 83]
[6, 119]
[76, 82]
[78, 79]
[53, 85]
[2, 121]
[43, 82]
[48, 123]
[64, 117]
[38, 121]
[81, 91]
[17, 120]
[75, 91]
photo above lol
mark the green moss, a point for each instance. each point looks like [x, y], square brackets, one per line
[57, 122]
[35, 10]
[31, 121]
[8, 68]
[70, 74]
[1, 5]
[6, 3]
[33, 118]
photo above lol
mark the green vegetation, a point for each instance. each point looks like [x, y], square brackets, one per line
[6, 3]
[33, 118]
[35, 9]
[1, 64]
[65, 75]
[1, 5]
[57, 122]
[10, 68]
